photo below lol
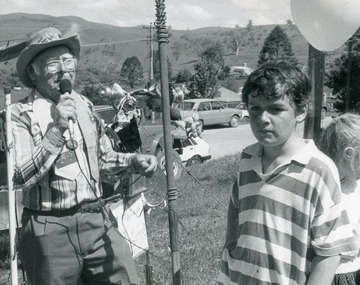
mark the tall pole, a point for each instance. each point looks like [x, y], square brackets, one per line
[348, 77]
[11, 192]
[151, 63]
[162, 35]
[316, 65]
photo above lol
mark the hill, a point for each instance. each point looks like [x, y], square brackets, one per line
[105, 47]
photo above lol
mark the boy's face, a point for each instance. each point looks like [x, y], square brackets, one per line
[273, 120]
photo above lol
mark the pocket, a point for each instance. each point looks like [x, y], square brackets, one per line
[67, 166]
[34, 225]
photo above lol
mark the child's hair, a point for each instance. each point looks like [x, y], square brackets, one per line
[175, 114]
[343, 132]
[276, 79]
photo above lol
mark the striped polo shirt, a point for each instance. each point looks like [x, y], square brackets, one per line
[286, 218]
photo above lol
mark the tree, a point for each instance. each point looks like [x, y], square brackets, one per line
[237, 40]
[249, 26]
[207, 70]
[289, 22]
[132, 71]
[184, 75]
[177, 49]
[277, 46]
[240, 38]
[337, 76]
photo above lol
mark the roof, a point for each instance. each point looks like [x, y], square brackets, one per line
[227, 94]
[201, 100]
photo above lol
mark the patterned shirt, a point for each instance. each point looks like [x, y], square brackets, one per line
[350, 261]
[285, 219]
[52, 176]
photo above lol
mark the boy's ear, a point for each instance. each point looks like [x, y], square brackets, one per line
[348, 153]
[302, 113]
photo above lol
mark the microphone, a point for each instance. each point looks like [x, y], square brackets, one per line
[65, 88]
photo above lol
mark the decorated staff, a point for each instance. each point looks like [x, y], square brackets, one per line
[162, 35]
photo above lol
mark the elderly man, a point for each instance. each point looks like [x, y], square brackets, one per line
[65, 239]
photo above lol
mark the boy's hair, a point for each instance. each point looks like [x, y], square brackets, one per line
[276, 79]
[342, 132]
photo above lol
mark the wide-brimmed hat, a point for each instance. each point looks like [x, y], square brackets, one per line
[41, 40]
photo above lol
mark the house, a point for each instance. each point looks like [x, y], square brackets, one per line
[240, 71]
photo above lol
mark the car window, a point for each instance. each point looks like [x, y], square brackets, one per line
[204, 106]
[216, 106]
[241, 106]
[186, 143]
[188, 106]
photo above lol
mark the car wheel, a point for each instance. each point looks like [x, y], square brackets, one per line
[177, 163]
[245, 119]
[194, 160]
[234, 122]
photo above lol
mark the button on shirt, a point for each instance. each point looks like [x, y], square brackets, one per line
[52, 176]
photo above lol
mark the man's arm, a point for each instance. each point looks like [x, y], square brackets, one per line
[34, 156]
[111, 161]
[323, 270]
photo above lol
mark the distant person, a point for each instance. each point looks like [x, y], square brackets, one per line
[193, 126]
[285, 225]
[66, 237]
[341, 142]
[178, 125]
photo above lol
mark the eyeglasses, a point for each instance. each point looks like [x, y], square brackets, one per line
[54, 66]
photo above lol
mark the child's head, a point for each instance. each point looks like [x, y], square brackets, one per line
[341, 142]
[175, 114]
[276, 79]
[277, 96]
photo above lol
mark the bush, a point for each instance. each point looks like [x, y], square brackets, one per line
[4, 250]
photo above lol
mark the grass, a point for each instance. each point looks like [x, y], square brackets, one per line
[201, 226]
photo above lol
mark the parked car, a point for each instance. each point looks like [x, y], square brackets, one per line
[211, 112]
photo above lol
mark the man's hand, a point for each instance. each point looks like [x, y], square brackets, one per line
[145, 164]
[65, 111]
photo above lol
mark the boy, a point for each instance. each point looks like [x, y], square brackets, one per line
[285, 225]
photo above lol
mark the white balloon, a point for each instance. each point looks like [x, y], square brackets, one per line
[326, 24]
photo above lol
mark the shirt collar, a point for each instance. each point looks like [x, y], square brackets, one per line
[302, 156]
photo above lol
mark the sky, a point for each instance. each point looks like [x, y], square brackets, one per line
[181, 14]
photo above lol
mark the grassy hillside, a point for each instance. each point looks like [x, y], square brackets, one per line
[106, 47]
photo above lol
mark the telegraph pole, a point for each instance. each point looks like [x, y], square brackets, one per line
[151, 67]
[316, 63]
[348, 77]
